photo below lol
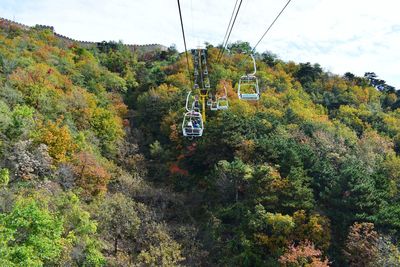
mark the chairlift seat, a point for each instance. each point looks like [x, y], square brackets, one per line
[222, 103]
[214, 106]
[248, 88]
[192, 132]
[249, 97]
[191, 129]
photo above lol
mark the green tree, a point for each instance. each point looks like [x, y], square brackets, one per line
[235, 173]
[82, 247]
[4, 177]
[21, 121]
[118, 220]
[161, 249]
[30, 235]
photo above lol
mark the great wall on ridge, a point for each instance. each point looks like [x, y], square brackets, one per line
[4, 23]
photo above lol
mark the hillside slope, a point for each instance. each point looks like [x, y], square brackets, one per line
[94, 170]
[72, 178]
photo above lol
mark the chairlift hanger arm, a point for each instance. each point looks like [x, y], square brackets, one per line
[254, 64]
[187, 101]
[226, 91]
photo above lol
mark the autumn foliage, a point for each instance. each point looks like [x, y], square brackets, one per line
[362, 245]
[307, 176]
[91, 175]
[58, 139]
[304, 254]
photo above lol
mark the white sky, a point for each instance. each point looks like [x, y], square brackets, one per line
[341, 35]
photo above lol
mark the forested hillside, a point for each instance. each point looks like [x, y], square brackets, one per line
[94, 170]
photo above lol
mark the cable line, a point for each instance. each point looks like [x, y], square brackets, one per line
[270, 26]
[248, 78]
[230, 31]
[227, 28]
[184, 38]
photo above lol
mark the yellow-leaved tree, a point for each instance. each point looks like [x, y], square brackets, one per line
[58, 139]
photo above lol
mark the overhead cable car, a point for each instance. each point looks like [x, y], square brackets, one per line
[222, 101]
[214, 104]
[248, 88]
[209, 100]
[192, 125]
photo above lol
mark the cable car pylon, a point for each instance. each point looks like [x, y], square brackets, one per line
[201, 79]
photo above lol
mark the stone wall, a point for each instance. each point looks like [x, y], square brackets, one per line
[5, 23]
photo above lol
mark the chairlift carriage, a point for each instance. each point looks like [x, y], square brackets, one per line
[214, 104]
[219, 102]
[207, 83]
[209, 100]
[192, 125]
[248, 88]
[222, 101]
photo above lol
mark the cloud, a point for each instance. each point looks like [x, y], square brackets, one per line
[341, 35]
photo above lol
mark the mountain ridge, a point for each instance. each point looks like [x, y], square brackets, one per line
[87, 44]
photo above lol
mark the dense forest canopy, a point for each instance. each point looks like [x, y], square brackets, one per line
[94, 170]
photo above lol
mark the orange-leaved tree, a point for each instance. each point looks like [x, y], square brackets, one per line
[91, 175]
[304, 254]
